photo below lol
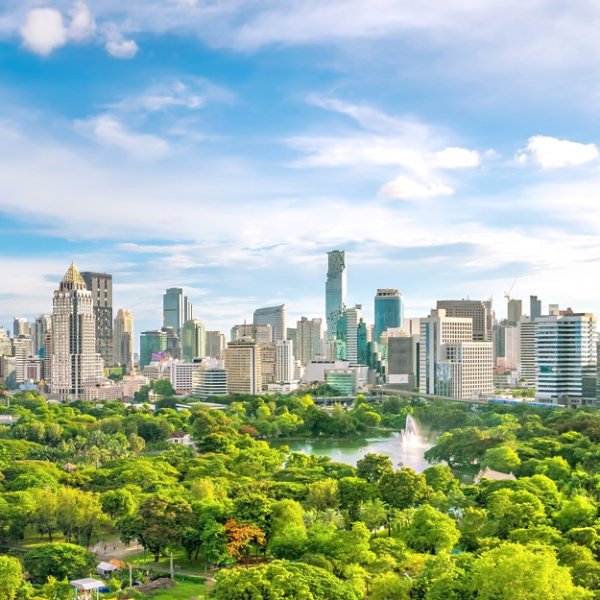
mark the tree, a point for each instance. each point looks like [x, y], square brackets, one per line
[288, 531]
[60, 561]
[509, 509]
[373, 466]
[11, 577]
[390, 586]
[281, 579]
[353, 492]
[404, 488]
[501, 458]
[576, 512]
[117, 503]
[525, 572]
[431, 531]
[323, 494]
[163, 388]
[241, 537]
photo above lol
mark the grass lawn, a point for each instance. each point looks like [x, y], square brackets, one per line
[180, 562]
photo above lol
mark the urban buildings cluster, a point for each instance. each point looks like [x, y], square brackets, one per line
[459, 350]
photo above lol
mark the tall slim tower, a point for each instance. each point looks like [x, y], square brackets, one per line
[123, 339]
[389, 311]
[535, 308]
[177, 309]
[76, 365]
[309, 339]
[336, 289]
[193, 340]
[100, 284]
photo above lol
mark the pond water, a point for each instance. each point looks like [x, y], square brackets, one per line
[405, 449]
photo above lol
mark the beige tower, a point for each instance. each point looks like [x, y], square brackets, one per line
[123, 339]
[243, 366]
[75, 364]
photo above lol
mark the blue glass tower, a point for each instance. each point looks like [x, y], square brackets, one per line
[335, 289]
[389, 311]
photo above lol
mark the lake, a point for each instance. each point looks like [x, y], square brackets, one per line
[350, 451]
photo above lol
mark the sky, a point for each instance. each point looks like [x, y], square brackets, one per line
[224, 146]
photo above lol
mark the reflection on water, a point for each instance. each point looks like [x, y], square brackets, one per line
[403, 449]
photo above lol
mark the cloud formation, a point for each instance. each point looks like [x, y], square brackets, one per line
[408, 189]
[552, 153]
[44, 31]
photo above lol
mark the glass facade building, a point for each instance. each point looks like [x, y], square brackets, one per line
[389, 311]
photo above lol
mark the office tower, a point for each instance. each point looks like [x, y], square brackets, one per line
[527, 358]
[292, 334]
[151, 343]
[512, 347]
[402, 361]
[565, 350]
[335, 289]
[5, 343]
[362, 341]
[352, 317]
[276, 317]
[243, 366]
[284, 361]
[123, 339]
[535, 308]
[21, 350]
[20, 327]
[193, 340]
[75, 364]
[215, 344]
[261, 334]
[100, 284]
[176, 309]
[309, 339]
[39, 329]
[173, 342]
[476, 310]
[389, 311]
[268, 363]
[514, 311]
[450, 363]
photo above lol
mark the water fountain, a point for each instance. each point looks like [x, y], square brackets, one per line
[410, 437]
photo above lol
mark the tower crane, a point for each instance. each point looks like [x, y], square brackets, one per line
[507, 294]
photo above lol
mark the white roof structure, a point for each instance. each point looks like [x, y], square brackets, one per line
[87, 584]
[106, 566]
[488, 473]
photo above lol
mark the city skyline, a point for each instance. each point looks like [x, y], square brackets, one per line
[225, 147]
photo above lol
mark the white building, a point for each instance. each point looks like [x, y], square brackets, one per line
[527, 358]
[284, 361]
[565, 351]
[352, 317]
[209, 381]
[309, 339]
[75, 364]
[244, 367]
[123, 339]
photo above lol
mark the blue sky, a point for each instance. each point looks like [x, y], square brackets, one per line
[225, 146]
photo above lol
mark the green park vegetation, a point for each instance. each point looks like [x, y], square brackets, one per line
[261, 522]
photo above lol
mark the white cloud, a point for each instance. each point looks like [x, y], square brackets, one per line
[82, 23]
[108, 131]
[116, 44]
[551, 153]
[408, 189]
[44, 30]
[455, 158]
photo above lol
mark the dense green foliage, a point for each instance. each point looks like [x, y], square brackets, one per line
[288, 525]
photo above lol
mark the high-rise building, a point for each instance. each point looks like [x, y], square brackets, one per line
[512, 347]
[284, 361]
[335, 289]
[389, 311]
[20, 327]
[243, 366]
[450, 363]
[476, 310]
[39, 329]
[275, 316]
[177, 309]
[21, 352]
[527, 359]
[352, 318]
[565, 350]
[261, 334]
[268, 363]
[535, 308]
[514, 311]
[362, 341]
[100, 284]
[215, 344]
[193, 340]
[309, 339]
[207, 382]
[123, 339]
[75, 364]
[402, 360]
[151, 343]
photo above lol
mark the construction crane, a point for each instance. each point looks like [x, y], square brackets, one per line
[510, 289]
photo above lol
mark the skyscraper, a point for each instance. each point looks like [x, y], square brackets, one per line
[335, 289]
[75, 363]
[123, 339]
[535, 308]
[352, 317]
[39, 329]
[215, 344]
[151, 342]
[478, 311]
[100, 284]
[20, 327]
[565, 351]
[514, 311]
[389, 311]
[177, 309]
[284, 361]
[193, 340]
[309, 339]
[243, 366]
[276, 317]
